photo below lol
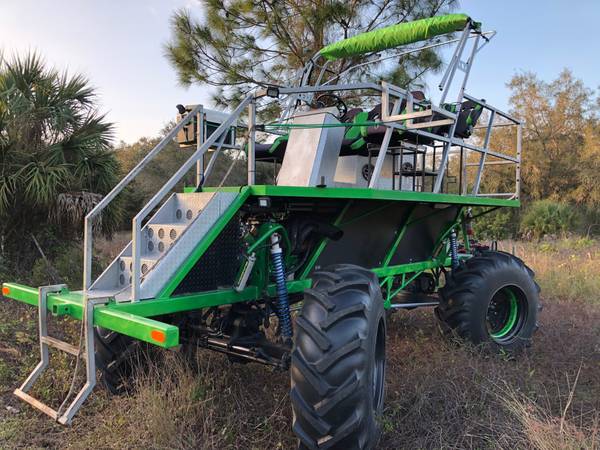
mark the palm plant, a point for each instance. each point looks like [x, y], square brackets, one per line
[56, 161]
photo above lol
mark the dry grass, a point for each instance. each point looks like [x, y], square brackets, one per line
[439, 395]
[542, 431]
[567, 269]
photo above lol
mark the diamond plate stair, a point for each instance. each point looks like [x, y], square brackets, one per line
[168, 239]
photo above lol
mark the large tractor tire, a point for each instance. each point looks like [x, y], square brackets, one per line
[117, 356]
[338, 361]
[491, 300]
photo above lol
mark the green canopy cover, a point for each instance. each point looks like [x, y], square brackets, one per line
[396, 36]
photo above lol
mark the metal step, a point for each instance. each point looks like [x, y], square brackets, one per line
[164, 237]
[60, 415]
[182, 209]
[126, 264]
[61, 345]
[159, 237]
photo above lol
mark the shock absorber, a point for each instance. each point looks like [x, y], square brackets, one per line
[453, 249]
[283, 303]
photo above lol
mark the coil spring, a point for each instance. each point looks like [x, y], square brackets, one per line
[283, 303]
[453, 250]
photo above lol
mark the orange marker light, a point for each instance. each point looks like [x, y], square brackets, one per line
[158, 336]
[5, 290]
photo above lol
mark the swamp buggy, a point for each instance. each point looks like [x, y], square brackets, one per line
[370, 212]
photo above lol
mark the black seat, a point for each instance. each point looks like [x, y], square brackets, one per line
[468, 116]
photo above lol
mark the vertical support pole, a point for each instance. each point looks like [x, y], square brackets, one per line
[451, 70]
[136, 273]
[386, 141]
[90, 360]
[401, 188]
[486, 143]
[199, 142]
[462, 170]
[87, 253]
[43, 324]
[43, 333]
[251, 142]
[518, 169]
[440, 178]
[90, 366]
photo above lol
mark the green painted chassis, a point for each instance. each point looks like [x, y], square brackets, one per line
[135, 318]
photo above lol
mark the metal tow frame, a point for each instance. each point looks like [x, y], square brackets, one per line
[47, 341]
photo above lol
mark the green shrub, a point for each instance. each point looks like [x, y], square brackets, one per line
[546, 217]
[66, 267]
[497, 225]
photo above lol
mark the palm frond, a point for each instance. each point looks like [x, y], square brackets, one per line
[56, 156]
[71, 207]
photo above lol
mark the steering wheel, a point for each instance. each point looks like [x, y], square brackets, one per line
[326, 100]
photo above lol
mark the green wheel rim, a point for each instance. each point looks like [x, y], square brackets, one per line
[506, 314]
[512, 316]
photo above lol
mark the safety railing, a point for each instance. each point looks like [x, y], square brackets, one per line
[391, 118]
[218, 134]
[417, 119]
[202, 146]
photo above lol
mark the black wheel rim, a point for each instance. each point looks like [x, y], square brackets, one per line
[506, 314]
[379, 367]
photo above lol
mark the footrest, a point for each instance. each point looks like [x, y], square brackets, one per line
[36, 403]
[61, 345]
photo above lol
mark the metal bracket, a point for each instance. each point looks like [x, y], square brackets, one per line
[47, 341]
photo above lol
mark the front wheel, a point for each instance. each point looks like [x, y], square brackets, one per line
[491, 300]
[338, 361]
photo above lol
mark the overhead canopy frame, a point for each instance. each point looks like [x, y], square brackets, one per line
[397, 36]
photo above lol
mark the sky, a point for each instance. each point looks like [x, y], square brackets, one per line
[119, 46]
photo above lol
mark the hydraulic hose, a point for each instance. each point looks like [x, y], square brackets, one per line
[283, 303]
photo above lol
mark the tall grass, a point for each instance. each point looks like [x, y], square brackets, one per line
[439, 395]
[539, 430]
[566, 269]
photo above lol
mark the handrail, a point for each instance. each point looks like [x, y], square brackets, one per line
[170, 184]
[88, 225]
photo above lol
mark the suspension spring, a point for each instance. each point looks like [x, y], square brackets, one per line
[453, 250]
[283, 302]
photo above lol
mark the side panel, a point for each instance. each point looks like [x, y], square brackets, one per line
[370, 228]
[204, 242]
[218, 266]
[426, 224]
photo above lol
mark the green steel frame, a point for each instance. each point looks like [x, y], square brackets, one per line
[135, 318]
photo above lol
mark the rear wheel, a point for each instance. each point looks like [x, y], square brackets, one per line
[493, 300]
[338, 361]
[117, 356]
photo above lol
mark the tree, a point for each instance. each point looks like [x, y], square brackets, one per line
[55, 156]
[166, 163]
[560, 118]
[239, 44]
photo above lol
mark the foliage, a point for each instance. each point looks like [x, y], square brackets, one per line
[546, 217]
[56, 157]
[561, 156]
[167, 162]
[238, 44]
[496, 225]
[65, 267]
